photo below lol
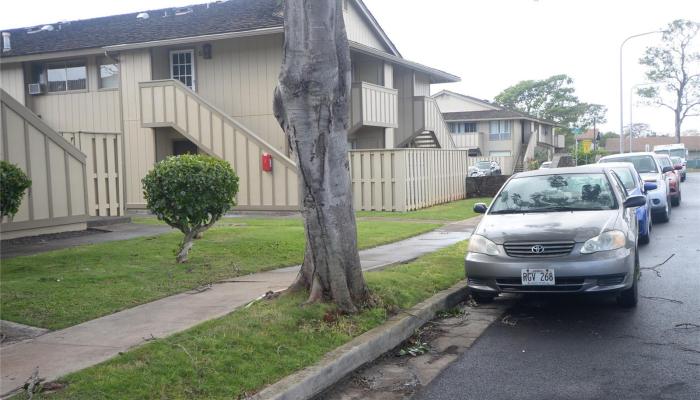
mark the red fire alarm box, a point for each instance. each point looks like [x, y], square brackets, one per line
[267, 162]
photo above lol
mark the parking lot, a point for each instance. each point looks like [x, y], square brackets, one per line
[590, 348]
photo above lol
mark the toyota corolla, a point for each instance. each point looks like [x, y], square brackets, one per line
[563, 230]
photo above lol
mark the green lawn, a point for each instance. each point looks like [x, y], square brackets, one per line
[242, 352]
[65, 287]
[453, 211]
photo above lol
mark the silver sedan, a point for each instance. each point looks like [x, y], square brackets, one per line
[564, 230]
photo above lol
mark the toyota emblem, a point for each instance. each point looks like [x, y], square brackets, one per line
[537, 249]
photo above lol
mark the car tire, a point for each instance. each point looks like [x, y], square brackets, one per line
[644, 239]
[628, 298]
[483, 298]
[666, 215]
[676, 201]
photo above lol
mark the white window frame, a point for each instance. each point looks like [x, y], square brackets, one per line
[65, 63]
[192, 61]
[460, 128]
[505, 130]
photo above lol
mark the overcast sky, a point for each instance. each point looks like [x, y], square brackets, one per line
[491, 44]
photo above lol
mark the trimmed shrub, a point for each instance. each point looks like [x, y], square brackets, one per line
[190, 193]
[13, 183]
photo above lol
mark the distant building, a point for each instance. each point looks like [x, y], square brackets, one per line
[692, 143]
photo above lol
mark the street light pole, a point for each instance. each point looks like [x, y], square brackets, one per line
[622, 125]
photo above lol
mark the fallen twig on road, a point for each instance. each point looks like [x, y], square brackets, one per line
[663, 299]
[654, 268]
[687, 325]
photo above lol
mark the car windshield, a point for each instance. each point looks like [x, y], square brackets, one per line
[678, 153]
[643, 164]
[559, 192]
[676, 160]
[483, 164]
[626, 177]
[665, 162]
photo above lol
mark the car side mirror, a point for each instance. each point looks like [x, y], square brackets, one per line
[480, 208]
[648, 186]
[677, 167]
[666, 169]
[635, 201]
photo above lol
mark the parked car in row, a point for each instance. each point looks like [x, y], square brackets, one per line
[546, 164]
[649, 168]
[635, 185]
[675, 150]
[674, 178]
[485, 168]
[562, 230]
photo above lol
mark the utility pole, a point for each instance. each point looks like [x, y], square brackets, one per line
[622, 141]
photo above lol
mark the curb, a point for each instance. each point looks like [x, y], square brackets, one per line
[334, 366]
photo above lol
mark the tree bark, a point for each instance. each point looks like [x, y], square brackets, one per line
[312, 106]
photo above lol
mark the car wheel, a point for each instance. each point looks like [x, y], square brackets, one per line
[644, 239]
[676, 200]
[628, 298]
[666, 216]
[480, 297]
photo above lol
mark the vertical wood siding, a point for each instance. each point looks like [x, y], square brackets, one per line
[168, 103]
[91, 110]
[12, 81]
[94, 111]
[359, 30]
[240, 79]
[139, 142]
[57, 196]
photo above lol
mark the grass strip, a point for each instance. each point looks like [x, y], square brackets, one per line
[65, 287]
[240, 353]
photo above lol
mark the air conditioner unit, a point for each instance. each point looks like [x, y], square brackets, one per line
[35, 88]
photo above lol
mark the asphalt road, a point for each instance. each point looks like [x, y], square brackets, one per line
[589, 348]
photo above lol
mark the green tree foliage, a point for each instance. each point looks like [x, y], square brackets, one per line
[190, 193]
[553, 99]
[13, 183]
[675, 66]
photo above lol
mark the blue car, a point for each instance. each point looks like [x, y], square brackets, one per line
[635, 185]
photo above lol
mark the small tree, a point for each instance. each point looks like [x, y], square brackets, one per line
[13, 183]
[675, 66]
[190, 193]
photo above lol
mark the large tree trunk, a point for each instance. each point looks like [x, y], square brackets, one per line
[312, 106]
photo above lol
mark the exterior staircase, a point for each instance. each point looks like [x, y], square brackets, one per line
[425, 140]
[169, 103]
[519, 165]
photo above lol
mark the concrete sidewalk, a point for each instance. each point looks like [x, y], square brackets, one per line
[109, 233]
[68, 350]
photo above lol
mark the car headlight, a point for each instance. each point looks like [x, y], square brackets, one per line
[479, 244]
[609, 240]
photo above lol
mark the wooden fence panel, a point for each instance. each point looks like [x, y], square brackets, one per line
[104, 170]
[407, 179]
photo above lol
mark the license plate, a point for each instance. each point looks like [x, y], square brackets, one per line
[537, 277]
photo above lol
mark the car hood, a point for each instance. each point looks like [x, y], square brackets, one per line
[578, 226]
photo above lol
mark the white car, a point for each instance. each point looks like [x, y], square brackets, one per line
[649, 168]
[546, 164]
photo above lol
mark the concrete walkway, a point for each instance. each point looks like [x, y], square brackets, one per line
[68, 350]
[109, 233]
